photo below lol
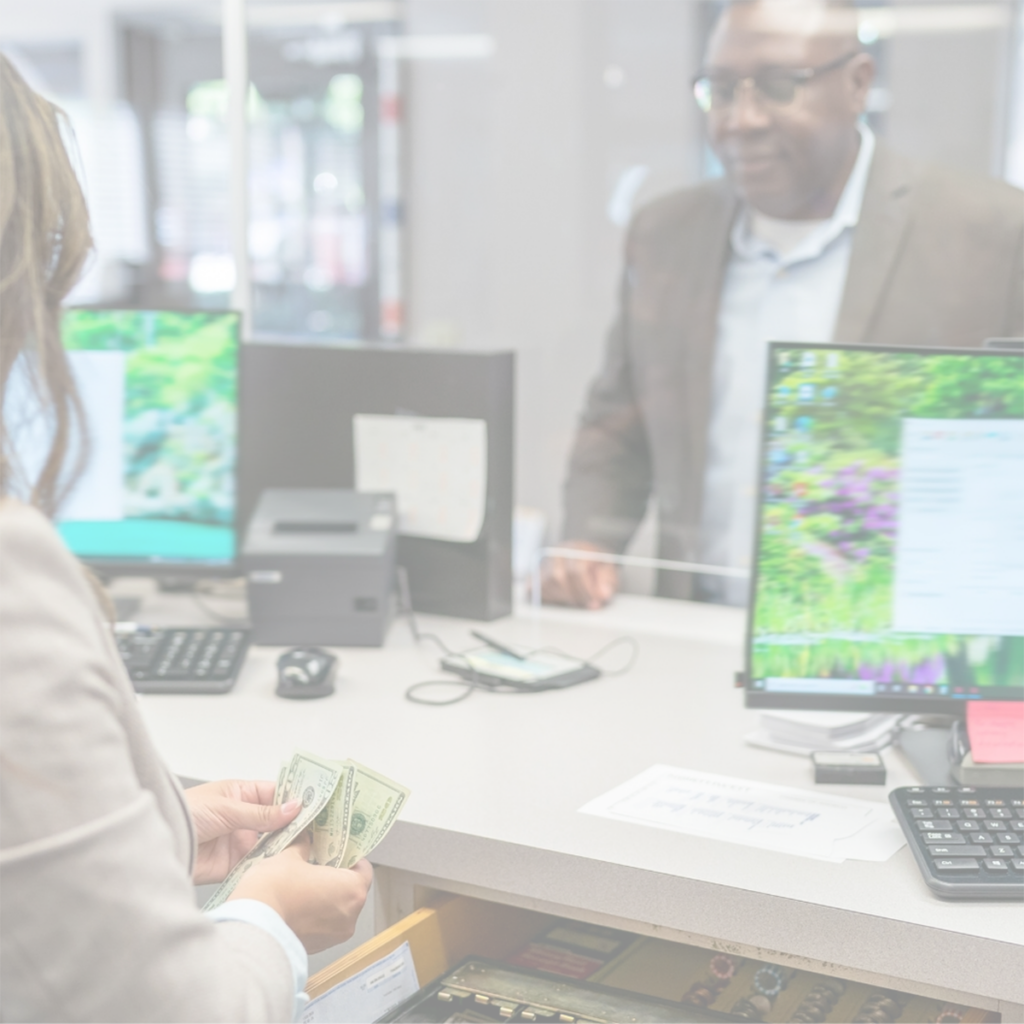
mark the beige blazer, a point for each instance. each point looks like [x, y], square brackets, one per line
[97, 909]
[937, 260]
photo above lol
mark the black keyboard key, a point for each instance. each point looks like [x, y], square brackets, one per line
[957, 851]
[956, 864]
[1001, 851]
[1017, 863]
[996, 864]
[973, 812]
[998, 812]
[930, 825]
[183, 660]
[968, 826]
[917, 803]
[949, 838]
[947, 812]
[188, 657]
[139, 651]
[982, 837]
[920, 812]
[1007, 838]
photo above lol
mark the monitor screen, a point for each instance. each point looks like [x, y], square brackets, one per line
[159, 391]
[889, 560]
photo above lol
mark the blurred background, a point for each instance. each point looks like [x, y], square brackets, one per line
[444, 173]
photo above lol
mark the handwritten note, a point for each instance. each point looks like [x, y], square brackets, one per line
[996, 731]
[368, 995]
[796, 821]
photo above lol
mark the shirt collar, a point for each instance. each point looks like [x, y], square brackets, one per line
[846, 215]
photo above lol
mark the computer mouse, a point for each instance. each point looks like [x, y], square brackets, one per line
[305, 672]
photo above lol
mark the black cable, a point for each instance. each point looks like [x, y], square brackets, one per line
[618, 641]
[405, 608]
[467, 688]
[478, 682]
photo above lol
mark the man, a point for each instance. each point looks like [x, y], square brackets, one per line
[816, 233]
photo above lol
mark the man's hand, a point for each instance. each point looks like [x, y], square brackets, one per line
[228, 818]
[577, 581]
[319, 904]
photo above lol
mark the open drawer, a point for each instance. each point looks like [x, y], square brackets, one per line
[451, 928]
[439, 936]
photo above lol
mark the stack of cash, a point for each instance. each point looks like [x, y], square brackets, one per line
[348, 807]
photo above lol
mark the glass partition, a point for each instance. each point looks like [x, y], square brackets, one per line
[464, 174]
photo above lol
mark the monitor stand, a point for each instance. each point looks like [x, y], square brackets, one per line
[927, 752]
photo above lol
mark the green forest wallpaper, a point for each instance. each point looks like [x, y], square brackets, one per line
[823, 604]
[179, 431]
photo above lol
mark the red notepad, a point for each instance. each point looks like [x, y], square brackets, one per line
[996, 731]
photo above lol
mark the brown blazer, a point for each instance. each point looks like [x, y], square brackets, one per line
[937, 260]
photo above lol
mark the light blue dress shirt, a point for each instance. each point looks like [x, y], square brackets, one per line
[772, 292]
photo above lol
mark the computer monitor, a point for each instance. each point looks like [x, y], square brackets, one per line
[889, 556]
[159, 391]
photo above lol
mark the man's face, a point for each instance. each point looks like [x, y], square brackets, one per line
[786, 160]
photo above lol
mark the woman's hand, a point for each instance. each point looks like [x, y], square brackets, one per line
[228, 818]
[319, 904]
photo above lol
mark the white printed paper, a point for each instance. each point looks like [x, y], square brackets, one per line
[368, 995]
[436, 467]
[780, 818]
[960, 536]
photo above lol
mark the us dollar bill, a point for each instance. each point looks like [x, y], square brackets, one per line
[279, 788]
[376, 802]
[330, 827]
[310, 779]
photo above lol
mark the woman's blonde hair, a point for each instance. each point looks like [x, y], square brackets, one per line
[44, 242]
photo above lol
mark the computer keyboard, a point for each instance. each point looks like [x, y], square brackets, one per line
[968, 840]
[185, 660]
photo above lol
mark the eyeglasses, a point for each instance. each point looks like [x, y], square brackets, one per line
[717, 91]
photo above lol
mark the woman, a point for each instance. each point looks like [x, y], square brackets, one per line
[99, 845]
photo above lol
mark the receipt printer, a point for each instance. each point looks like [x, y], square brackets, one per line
[320, 566]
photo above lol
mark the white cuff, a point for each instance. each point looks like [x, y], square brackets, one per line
[265, 917]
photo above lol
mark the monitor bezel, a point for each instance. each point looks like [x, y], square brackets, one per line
[947, 704]
[111, 568]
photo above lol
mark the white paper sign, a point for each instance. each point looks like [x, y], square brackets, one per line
[795, 821]
[368, 995]
[436, 467]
